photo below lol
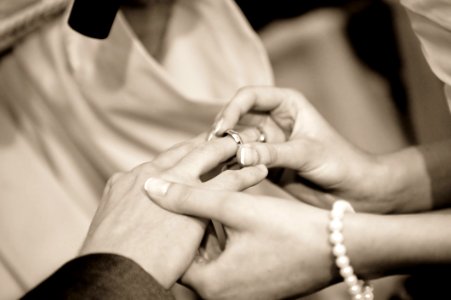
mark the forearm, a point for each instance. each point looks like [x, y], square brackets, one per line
[416, 179]
[384, 245]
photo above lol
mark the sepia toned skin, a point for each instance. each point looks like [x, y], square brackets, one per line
[163, 243]
[276, 247]
[411, 180]
[279, 248]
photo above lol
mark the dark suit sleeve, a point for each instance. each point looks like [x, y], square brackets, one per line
[100, 276]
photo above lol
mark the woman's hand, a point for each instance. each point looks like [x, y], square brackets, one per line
[299, 138]
[162, 242]
[275, 248]
[279, 248]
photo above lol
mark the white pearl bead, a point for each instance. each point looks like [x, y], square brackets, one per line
[336, 237]
[351, 280]
[335, 225]
[355, 289]
[342, 261]
[346, 271]
[368, 292]
[367, 287]
[368, 296]
[339, 250]
[357, 297]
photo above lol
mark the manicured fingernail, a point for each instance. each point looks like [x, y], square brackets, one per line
[156, 186]
[218, 126]
[210, 135]
[247, 156]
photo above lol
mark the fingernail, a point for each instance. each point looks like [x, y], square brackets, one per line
[211, 135]
[218, 126]
[156, 186]
[247, 156]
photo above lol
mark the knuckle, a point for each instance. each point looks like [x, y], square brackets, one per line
[143, 172]
[112, 184]
[113, 180]
[291, 93]
[245, 89]
[271, 154]
[147, 167]
[294, 97]
[248, 91]
[229, 179]
[180, 196]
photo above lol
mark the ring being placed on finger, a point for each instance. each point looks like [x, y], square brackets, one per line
[235, 136]
[239, 141]
[262, 136]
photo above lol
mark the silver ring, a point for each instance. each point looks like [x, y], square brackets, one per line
[262, 137]
[235, 136]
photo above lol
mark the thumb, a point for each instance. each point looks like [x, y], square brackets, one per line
[198, 202]
[292, 154]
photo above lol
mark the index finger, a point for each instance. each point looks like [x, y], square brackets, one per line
[262, 99]
[206, 156]
[224, 206]
[174, 154]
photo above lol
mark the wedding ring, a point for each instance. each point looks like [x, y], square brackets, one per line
[262, 135]
[235, 136]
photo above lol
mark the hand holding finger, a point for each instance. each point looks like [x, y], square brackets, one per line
[171, 156]
[292, 232]
[262, 99]
[224, 206]
[291, 154]
[238, 180]
[207, 155]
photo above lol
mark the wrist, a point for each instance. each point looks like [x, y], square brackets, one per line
[402, 182]
[311, 251]
[324, 250]
[371, 184]
[359, 246]
[395, 244]
[365, 238]
[357, 288]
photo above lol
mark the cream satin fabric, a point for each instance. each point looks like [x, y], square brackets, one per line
[75, 110]
[431, 21]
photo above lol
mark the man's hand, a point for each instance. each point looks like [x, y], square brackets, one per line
[162, 242]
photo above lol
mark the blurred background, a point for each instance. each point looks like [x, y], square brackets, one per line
[359, 63]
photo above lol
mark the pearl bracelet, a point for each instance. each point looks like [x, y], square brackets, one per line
[358, 289]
